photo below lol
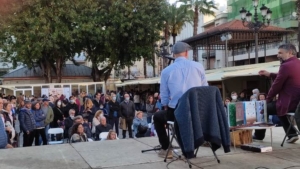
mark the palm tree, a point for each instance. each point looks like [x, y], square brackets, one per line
[204, 7]
[176, 19]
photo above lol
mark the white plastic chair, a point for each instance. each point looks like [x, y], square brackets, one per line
[55, 131]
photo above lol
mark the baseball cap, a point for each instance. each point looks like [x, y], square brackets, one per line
[180, 47]
[27, 102]
[45, 100]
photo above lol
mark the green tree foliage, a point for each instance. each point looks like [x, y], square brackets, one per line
[113, 33]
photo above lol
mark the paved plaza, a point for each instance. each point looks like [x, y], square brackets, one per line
[126, 154]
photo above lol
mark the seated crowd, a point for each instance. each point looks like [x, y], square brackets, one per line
[83, 118]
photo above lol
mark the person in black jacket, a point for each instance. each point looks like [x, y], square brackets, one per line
[114, 113]
[58, 115]
[69, 123]
[127, 110]
[72, 105]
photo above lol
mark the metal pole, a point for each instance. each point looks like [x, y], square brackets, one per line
[256, 47]
[226, 56]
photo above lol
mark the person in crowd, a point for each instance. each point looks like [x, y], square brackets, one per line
[104, 110]
[150, 108]
[9, 123]
[127, 110]
[234, 96]
[118, 96]
[3, 136]
[102, 127]
[27, 124]
[112, 135]
[40, 118]
[158, 105]
[88, 110]
[20, 99]
[106, 105]
[255, 94]
[79, 119]
[20, 106]
[175, 80]
[64, 107]
[96, 120]
[137, 100]
[226, 102]
[72, 105]
[58, 115]
[51, 102]
[78, 134]
[114, 113]
[49, 114]
[81, 96]
[68, 122]
[97, 101]
[140, 126]
[287, 85]
[242, 97]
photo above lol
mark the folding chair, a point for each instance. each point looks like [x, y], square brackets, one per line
[291, 118]
[55, 131]
[171, 125]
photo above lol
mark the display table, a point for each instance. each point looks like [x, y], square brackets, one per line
[255, 127]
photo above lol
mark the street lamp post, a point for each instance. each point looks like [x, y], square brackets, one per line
[256, 25]
[165, 52]
[226, 37]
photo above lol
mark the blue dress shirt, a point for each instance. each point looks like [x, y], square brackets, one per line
[179, 77]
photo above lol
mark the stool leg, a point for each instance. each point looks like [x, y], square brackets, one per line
[287, 132]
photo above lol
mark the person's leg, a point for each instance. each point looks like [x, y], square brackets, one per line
[271, 110]
[31, 137]
[285, 124]
[129, 125]
[160, 120]
[149, 119]
[116, 121]
[25, 139]
[43, 135]
[124, 133]
[37, 137]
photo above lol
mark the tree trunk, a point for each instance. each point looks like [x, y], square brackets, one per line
[174, 39]
[129, 72]
[167, 32]
[195, 32]
[145, 67]
[196, 20]
[59, 66]
[153, 65]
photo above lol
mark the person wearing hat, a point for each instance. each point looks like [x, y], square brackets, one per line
[48, 113]
[175, 80]
[27, 124]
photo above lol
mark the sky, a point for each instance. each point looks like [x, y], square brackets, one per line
[222, 4]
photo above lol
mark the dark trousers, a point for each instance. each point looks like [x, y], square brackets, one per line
[115, 122]
[137, 106]
[38, 133]
[28, 138]
[271, 110]
[129, 125]
[160, 120]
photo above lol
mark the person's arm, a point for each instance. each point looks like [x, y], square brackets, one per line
[164, 90]
[22, 121]
[278, 83]
[51, 115]
[203, 77]
[38, 116]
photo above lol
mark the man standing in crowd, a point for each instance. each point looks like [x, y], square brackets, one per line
[114, 112]
[176, 79]
[27, 124]
[127, 110]
[48, 113]
[97, 101]
[287, 85]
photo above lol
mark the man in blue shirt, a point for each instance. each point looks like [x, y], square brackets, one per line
[175, 80]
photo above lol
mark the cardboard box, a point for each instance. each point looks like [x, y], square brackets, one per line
[240, 137]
